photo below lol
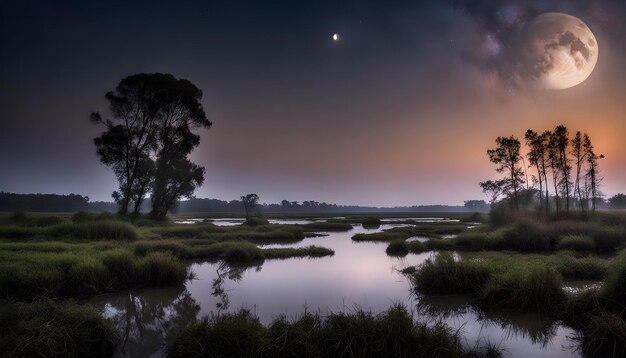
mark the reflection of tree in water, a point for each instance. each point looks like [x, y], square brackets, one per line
[539, 329]
[145, 320]
[231, 272]
[535, 327]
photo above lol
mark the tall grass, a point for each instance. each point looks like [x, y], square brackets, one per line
[310, 251]
[524, 287]
[614, 287]
[161, 268]
[579, 243]
[54, 329]
[327, 226]
[360, 334]
[85, 231]
[397, 247]
[35, 274]
[443, 275]
[533, 236]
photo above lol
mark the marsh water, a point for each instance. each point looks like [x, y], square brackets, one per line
[359, 276]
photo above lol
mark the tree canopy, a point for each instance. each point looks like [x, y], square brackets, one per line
[148, 138]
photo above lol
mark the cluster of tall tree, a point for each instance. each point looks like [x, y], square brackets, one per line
[148, 138]
[565, 171]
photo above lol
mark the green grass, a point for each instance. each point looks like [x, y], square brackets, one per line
[568, 264]
[536, 236]
[161, 268]
[360, 334]
[371, 222]
[439, 244]
[434, 230]
[397, 247]
[310, 251]
[263, 234]
[54, 329]
[511, 281]
[579, 243]
[614, 287]
[381, 236]
[81, 231]
[256, 221]
[84, 272]
[327, 226]
[524, 287]
[443, 275]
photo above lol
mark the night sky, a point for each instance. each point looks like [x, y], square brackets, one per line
[399, 111]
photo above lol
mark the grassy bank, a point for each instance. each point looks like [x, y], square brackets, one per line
[87, 254]
[532, 236]
[359, 334]
[83, 272]
[432, 230]
[54, 329]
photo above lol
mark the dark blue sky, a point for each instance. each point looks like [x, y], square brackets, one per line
[399, 111]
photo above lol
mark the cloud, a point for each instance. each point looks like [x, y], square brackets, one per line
[495, 45]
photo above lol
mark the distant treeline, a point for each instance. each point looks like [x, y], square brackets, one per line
[73, 202]
[215, 205]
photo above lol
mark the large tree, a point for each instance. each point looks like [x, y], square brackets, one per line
[579, 158]
[538, 157]
[149, 138]
[249, 201]
[592, 178]
[180, 113]
[130, 133]
[561, 144]
[507, 157]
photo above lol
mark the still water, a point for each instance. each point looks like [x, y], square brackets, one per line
[359, 276]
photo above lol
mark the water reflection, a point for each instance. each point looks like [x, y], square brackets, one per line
[146, 319]
[359, 275]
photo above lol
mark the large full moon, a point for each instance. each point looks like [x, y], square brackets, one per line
[560, 51]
